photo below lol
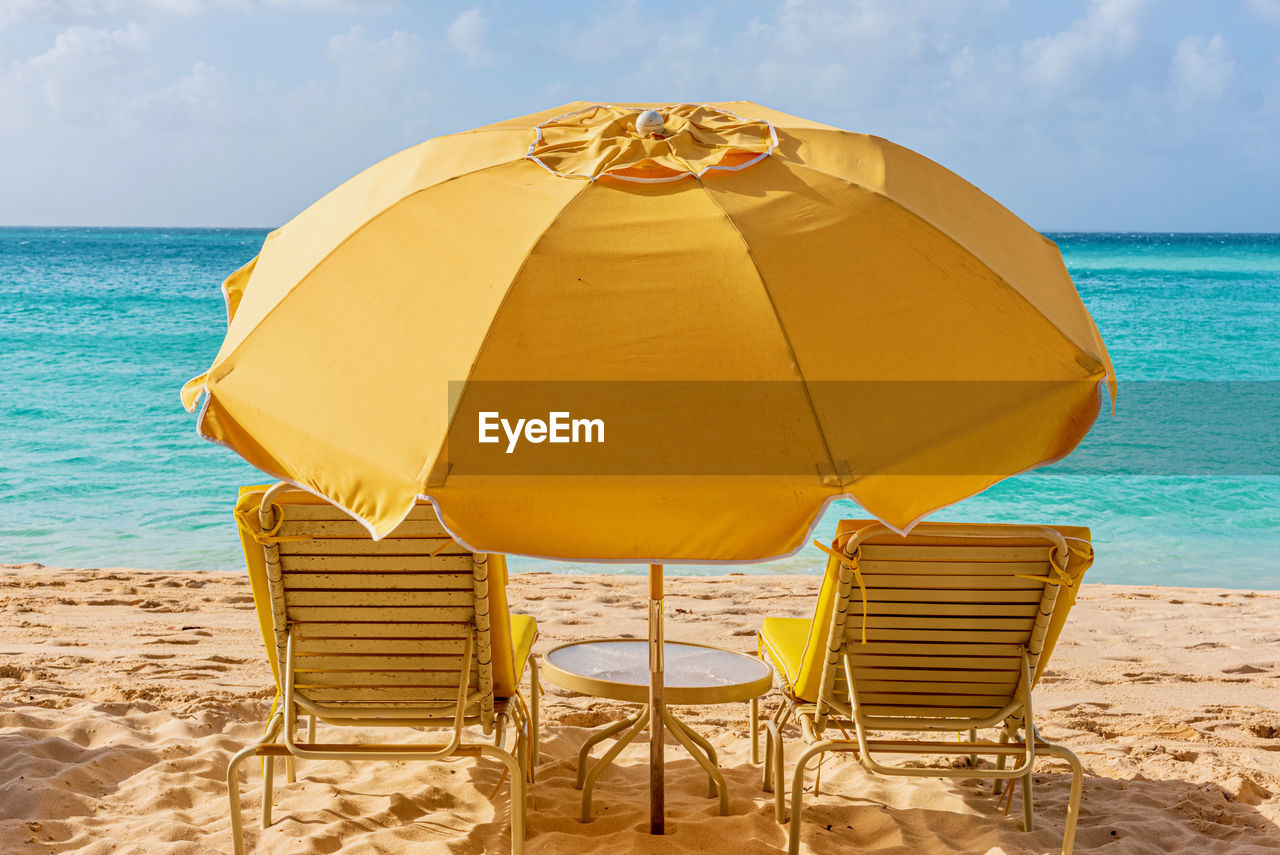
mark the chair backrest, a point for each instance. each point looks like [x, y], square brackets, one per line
[955, 615]
[386, 625]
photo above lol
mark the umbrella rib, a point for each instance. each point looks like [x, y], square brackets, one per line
[533, 245]
[786, 337]
[1102, 358]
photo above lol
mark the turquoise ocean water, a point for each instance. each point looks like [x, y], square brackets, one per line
[100, 466]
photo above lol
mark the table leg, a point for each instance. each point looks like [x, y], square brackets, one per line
[584, 753]
[755, 731]
[707, 758]
[692, 742]
[600, 765]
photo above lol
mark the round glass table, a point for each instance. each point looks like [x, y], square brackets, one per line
[694, 674]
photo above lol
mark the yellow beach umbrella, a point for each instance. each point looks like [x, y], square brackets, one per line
[600, 333]
[763, 312]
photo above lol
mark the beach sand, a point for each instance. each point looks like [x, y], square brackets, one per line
[124, 692]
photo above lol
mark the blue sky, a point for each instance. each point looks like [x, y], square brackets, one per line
[1109, 114]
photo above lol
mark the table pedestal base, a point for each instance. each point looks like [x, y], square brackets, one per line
[699, 748]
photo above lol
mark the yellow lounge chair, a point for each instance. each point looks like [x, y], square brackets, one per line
[410, 631]
[959, 623]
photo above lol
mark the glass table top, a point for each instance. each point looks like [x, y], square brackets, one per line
[686, 666]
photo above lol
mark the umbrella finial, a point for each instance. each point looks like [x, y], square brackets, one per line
[649, 122]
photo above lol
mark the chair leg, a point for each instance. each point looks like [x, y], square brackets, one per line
[233, 781]
[535, 686]
[233, 793]
[291, 762]
[500, 731]
[1028, 802]
[1077, 789]
[766, 780]
[773, 764]
[522, 754]
[771, 727]
[999, 784]
[268, 785]
[973, 758]
[515, 777]
[797, 796]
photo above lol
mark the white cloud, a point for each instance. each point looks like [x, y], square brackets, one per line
[1108, 29]
[201, 98]
[83, 74]
[467, 35]
[1202, 70]
[387, 59]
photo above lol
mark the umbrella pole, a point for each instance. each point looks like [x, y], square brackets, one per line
[657, 709]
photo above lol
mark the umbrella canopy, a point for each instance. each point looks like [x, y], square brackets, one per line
[585, 341]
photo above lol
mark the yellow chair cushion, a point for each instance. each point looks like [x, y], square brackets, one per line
[782, 643]
[524, 632]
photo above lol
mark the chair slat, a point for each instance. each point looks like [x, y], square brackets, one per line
[944, 691]
[940, 649]
[870, 709]
[387, 654]
[328, 694]
[380, 615]
[381, 581]
[1004, 676]
[944, 595]
[1007, 636]
[931, 699]
[308, 632]
[418, 546]
[374, 563]
[1011, 610]
[362, 602]
[939, 623]
[952, 568]
[307, 680]
[293, 526]
[332, 513]
[954, 582]
[986, 664]
[912, 552]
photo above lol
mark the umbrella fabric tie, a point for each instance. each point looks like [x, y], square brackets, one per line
[266, 538]
[1084, 553]
[852, 561]
[192, 390]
